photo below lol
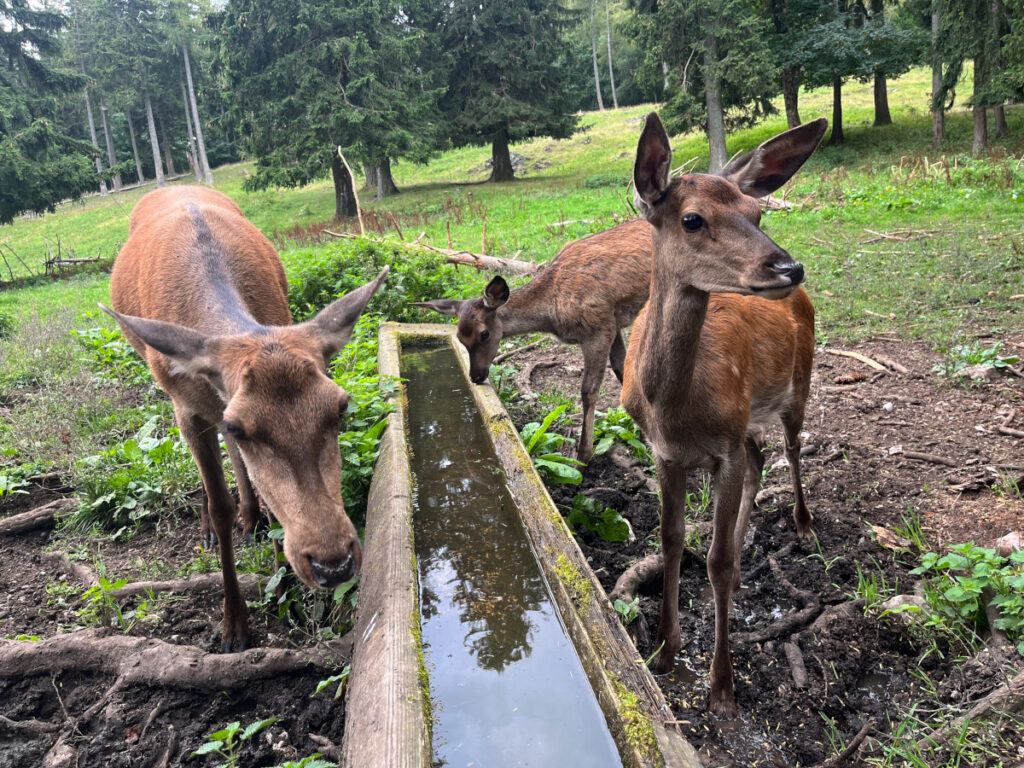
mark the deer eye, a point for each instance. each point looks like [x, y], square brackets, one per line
[485, 335]
[235, 431]
[692, 222]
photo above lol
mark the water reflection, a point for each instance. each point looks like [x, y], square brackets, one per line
[505, 682]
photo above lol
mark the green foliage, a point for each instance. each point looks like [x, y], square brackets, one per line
[605, 180]
[125, 484]
[6, 325]
[967, 355]
[628, 612]
[311, 761]
[341, 678]
[617, 425]
[13, 479]
[226, 742]
[606, 522]
[957, 581]
[542, 444]
[112, 356]
[101, 608]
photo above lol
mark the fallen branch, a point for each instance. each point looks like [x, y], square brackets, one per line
[796, 664]
[888, 362]
[839, 760]
[152, 662]
[1006, 698]
[40, 517]
[929, 457]
[506, 355]
[789, 622]
[857, 356]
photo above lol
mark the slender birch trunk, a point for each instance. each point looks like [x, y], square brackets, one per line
[135, 148]
[593, 52]
[611, 69]
[718, 156]
[193, 158]
[157, 164]
[938, 110]
[168, 157]
[203, 161]
[95, 143]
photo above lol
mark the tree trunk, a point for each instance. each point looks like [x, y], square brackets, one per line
[168, 157]
[593, 52]
[204, 162]
[385, 182]
[370, 172]
[92, 135]
[501, 160]
[980, 143]
[999, 117]
[344, 190]
[791, 95]
[608, 37]
[193, 157]
[135, 148]
[938, 110]
[153, 143]
[111, 156]
[882, 116]
[837, 112]
[718, 156]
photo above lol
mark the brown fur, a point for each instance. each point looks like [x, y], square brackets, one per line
[706, 371]
[226, 352]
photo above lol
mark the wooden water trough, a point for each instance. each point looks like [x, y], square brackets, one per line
[388, 707]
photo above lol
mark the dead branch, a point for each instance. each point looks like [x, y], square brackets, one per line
[170, 750]
[512, 352]
[249, 582]
[1006, 698]
[40, 517]
[789, 622]
[352, 179]
[888, 362]
[152, 662]
[839, 760]
[929, 457]
[796, 664]
[857, 356]
[28, 726]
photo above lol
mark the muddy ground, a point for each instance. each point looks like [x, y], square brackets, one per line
[858, 665]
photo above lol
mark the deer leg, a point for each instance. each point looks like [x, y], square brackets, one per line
[201, 437]
[594, 355]
[791, 428]
[723, 572]
[751, 484]
[672, 480]
[207, 538]
[249, 505]
[617, 356]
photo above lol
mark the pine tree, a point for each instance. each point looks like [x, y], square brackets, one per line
[508, 75]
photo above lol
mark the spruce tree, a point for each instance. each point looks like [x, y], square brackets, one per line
[509, 75]
[40, 164]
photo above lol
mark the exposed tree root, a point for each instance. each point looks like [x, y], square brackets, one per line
[1006, 698]
[796, 664]
[40, 517]
[839, 760]
[79, 572]
[151, 662]
[38, 727]
[644, 572]
[790, 622]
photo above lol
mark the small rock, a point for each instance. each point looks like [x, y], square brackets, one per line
[976, 372]
[907, 608]
[1009, 544]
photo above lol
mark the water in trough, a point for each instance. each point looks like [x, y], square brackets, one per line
[506, 685]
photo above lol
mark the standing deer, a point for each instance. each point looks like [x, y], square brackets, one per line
[592, 289]
[705, 374]
[201, 295]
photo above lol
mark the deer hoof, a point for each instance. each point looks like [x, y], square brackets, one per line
[234, 644]
[724, 706]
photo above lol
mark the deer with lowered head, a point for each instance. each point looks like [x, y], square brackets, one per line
[201, 294]
[589, 292]
[705, 373]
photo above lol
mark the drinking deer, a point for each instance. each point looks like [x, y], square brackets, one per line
[201, 294]
[704, 373]
[592, 289]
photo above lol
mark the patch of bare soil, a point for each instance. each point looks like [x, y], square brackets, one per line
[88, 712]
[886, 444]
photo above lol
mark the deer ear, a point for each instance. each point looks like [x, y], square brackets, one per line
[333, 324]
[763, 170]
[443, 306]
[653, 165]
[496, 293]
[187, 348]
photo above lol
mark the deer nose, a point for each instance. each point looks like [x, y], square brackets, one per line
[478, 378]
[794, 270]
[332, 574]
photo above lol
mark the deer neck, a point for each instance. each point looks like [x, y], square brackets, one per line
[528, 310]
[675, 316]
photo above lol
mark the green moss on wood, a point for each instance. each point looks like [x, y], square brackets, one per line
[639, 731]
[579, 586]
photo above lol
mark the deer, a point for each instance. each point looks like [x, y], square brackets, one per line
[706, 372]
[591, 290]
[201, 295]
